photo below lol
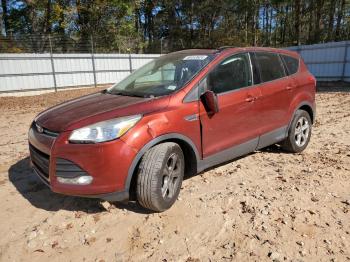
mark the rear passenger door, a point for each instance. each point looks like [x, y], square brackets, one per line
[291, 65]
[276, 96]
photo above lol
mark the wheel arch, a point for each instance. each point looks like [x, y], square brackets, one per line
[308, 107]
[189, 149]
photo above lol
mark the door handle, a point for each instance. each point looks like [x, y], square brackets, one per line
[250, 99]
[290, 87]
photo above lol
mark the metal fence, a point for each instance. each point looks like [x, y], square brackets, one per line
[327, 62]
[22, 72]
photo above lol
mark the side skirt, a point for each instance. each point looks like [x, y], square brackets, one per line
[273, 137]
[228, 154]
[264, 140]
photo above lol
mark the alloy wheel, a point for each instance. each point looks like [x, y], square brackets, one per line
[302, 131]
[172, 171]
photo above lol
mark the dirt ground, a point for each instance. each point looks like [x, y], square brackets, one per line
[266, 206]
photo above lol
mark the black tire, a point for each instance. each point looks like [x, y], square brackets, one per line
[160, 176]
[297, 139]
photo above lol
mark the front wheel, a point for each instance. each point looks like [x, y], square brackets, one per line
[160, 176]
[299, 132]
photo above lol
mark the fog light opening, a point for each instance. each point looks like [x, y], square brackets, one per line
[81, 180]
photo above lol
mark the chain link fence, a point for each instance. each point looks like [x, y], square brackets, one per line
[37, 62]
[46, 43]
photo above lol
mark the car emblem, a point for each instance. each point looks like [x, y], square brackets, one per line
[39, 128]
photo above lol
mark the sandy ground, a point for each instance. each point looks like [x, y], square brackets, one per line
[266, 206]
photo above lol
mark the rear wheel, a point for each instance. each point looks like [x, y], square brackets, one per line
[160, 176]
[299, 132]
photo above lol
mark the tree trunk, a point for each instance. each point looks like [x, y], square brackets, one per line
[137, 25]
[256, 36]
[310, 27]
[330, 20]
[171, 25]
[339, 19]
[61, 27]
[297, 21]
[191, 25]
[285, 25]
[48, 17]
[266, 25]
[5, 17]
[35, 39]
[83, 22]
[317, 31]
[246, 27]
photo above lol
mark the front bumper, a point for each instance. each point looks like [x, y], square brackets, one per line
[108, 163]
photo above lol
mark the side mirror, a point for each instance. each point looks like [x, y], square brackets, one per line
[210, 102]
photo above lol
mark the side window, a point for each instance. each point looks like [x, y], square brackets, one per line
[232, 73]
[270, 66]
[291, 63]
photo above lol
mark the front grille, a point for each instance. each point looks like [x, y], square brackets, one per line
[67, 169]
[41, 162]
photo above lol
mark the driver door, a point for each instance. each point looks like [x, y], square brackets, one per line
[235, 127]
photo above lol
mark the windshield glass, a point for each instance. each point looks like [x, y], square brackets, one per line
[162, 76]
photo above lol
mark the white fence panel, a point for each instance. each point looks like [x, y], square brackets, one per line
[140, 60]
[25, 82]
[110, 77]
[78, 79]
[21, 72]
[328, 62]
[72, 63]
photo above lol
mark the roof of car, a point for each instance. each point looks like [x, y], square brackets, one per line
[257, 49]
[198, 51]
[231, 49]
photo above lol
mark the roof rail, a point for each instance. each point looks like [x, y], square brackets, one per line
[221, 48]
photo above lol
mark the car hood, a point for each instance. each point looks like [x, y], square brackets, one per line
[94, 108]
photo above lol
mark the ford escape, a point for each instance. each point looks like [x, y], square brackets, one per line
[177, 115]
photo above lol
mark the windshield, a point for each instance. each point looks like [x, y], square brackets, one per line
[162, 76]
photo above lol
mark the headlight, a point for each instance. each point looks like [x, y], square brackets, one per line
[105, 130]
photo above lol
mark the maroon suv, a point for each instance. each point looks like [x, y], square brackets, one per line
[179, 114]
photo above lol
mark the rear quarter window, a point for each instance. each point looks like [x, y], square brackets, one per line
[270, 66]
[291, 63]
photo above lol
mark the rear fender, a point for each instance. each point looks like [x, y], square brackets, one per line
[296, 106]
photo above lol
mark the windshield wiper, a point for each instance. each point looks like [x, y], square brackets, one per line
[123, 94]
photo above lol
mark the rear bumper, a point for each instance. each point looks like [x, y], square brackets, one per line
[107, 163]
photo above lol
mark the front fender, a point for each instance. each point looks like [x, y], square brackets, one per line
[153, 142]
